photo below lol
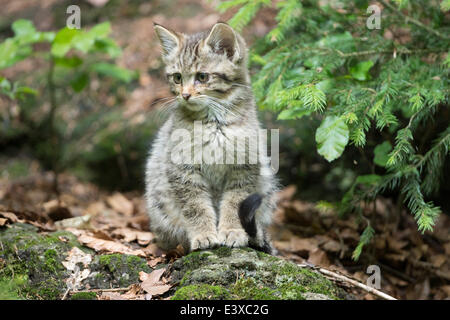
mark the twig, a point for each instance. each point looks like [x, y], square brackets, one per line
[353, 282]
[104, 290]
[65, 294]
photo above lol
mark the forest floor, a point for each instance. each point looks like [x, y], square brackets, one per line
[412, 266]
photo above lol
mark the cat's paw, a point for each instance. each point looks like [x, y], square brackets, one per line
[204, 241]
[233, 238]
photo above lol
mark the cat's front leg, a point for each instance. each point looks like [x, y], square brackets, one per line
[201, 228]
[231, 232]
[198, 212]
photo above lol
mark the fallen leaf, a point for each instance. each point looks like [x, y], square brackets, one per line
[130, 235]
[3, 221]
[10, 216]
[111, 296]
[302, 245]
[152, 263]
[108, 246]
[81, 222]
[151, 282]
[100, 234]
[121, 204]
[153, 250]
[75, 258]
[319, 258]
[438, 260]
[332, 246]
[152, 277]
[95, 208]
[157, 290]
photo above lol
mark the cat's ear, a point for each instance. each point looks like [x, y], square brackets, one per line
[169, 39]
[223, 39]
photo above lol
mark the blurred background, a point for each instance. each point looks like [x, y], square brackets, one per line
[75, 132]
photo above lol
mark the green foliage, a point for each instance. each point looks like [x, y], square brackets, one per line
[73, 58]
[380, 95]
[332, 137]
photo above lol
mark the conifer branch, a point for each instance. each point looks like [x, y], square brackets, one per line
[414, 21]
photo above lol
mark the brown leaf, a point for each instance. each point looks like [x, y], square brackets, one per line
[152, 263]
[157, 290]
[303, 244]
[438, 260]
[129, 235]
[3, 221]
[96, 208]
[111, 296]
[151, 278]
[121, 204]
[10, 216]
[81, 222]
[108, 246]
[154, 250]
[319, 258]
[151, 282]
[332, 246]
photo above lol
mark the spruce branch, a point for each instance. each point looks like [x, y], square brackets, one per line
[414, 21]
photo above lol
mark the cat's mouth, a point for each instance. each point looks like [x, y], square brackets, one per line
[193, 104]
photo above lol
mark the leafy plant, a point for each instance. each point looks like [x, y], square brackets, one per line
[73, 56]
[369, 88]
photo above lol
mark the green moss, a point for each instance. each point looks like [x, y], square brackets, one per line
[248, 289]
[84, 296]
[117, 270]
[110, 261]
[195, 259]
[201, 292]
[223, 252]
[10, 288]
[262, 276]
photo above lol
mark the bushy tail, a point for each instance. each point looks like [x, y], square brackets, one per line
[247, 211]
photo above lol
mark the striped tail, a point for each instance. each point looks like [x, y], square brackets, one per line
[247, 211]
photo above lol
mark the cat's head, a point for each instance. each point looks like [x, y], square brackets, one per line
[204, 68]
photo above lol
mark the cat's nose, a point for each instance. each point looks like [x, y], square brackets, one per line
[186, 96]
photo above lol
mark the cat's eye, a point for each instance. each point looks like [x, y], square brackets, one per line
[202, 77]
[176, 78]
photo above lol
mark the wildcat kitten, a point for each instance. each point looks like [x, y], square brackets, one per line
[206, 204]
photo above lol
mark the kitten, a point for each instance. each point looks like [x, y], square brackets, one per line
[206, 204]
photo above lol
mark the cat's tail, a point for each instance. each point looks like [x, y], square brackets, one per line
[247, 211]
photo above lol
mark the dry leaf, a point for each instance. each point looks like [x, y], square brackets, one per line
[152, 263]
[303, 245]
[319, 258]
[130, 235]
[108, 246]
[10, 216]
[74, 259]
[81, 222]
[111, 296]
[3, 221]
[332, 246]
[438, 260]
[121, 204]
[157, 290]
[152, 277]
[151, 282]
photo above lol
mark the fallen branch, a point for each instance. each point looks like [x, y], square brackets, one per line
[96, 290]
[360, 285]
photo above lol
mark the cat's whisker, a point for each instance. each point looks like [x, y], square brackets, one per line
[165, 108]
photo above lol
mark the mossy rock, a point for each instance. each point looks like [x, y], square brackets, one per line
[226, 273]
[31, 265]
